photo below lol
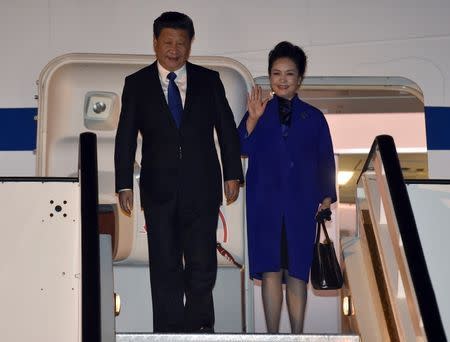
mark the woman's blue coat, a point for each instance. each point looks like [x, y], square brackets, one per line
[286, 177]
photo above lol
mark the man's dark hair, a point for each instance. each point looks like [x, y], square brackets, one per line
[174, 20]
[291, 51]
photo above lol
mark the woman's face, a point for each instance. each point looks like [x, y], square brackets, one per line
[284, 78]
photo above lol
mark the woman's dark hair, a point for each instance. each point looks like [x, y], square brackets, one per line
[174, 20]
[291, 51]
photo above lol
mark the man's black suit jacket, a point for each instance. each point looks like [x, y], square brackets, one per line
[175, 161]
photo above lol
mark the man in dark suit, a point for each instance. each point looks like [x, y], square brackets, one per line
[175, 106]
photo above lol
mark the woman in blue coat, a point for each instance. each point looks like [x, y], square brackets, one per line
[290, 177]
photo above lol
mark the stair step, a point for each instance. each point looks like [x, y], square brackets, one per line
[235, 338]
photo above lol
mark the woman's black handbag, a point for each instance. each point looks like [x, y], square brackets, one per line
[326, 273]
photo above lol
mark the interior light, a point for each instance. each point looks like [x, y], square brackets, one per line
[344, 177]
[101, 110]
[117, 305]
[347, 306]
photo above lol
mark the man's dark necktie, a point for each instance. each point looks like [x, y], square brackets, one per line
[174, 99]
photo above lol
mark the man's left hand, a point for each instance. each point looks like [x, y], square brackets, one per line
[231, 188]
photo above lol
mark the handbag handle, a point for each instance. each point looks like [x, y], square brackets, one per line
[321, 224]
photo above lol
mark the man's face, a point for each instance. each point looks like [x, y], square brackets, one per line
[172, 48]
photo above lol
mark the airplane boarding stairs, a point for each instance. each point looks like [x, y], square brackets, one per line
[52, 287]
[394, 261]
[59, 281]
